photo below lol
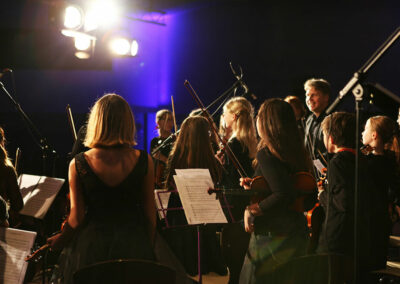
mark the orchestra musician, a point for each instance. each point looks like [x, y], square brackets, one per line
[164, 125]
[112, 212]
[239, 129]
[338, 197]
[9, 189]
[192, 149]
[278, 233]
[299, 111]
[318, 92]
[381, 136]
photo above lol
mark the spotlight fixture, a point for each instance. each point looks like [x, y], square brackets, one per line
[73, 18]
[124, 47]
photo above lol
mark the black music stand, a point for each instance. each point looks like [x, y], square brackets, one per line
[198, 226]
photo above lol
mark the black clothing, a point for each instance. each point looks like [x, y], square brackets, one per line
[9, 188]
[277, 217]
[337, 236]
[280, 233]
[114, 227]
[382, 170]
[231, 177]
[313, 136]
[235, 240]
[156, 142]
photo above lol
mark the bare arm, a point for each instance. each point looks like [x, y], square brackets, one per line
[77, 208]
[149, 205]
[77, 211]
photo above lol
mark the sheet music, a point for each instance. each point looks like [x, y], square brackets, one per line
[38, 193]
[164, 196]
[15, 245]
[199, 206]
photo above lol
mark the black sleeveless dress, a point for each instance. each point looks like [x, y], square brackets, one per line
[115, 225]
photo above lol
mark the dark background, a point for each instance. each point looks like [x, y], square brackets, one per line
[279, 45]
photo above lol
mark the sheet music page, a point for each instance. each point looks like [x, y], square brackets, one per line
[163, 195]
[199, 206]
[38, 194]
[15, 245]
[193, 172]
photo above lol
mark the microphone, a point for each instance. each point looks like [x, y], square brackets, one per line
[4, 71]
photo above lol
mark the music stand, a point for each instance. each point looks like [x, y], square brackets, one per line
[198, 226]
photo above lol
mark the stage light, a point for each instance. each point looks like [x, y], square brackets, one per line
[120, 46]
[82, 42]
[73, 18]
[82, 54]
[102, 13]
[134, 48]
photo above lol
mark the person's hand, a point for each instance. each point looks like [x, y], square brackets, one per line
[245, 182]
[220, 156]
[248, 221]
[55, 243]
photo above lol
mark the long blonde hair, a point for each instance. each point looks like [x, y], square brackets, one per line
[111, 123]
[245, 130]
[4, 160]
[388, 131]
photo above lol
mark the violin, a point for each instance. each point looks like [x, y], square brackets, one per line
[303, 182]
[367, 150]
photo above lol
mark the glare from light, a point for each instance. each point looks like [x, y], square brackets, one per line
[101, 13]
[72, 33]
[73, 17]
[120, 46]
[82, 54]
[91, 22]
[82, 42]
[134, 48]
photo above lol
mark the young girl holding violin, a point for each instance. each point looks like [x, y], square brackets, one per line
[278, 233]
[237, 123]
[381, 137]
[192, 149]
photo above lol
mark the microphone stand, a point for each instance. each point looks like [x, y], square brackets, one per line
[39, 140]
[173, 135]
[239, 83]
[355, 86]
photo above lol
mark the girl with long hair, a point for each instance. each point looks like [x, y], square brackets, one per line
[238, 126]
[192, 149]
[278, 233]
[381, 136]
[9, 189]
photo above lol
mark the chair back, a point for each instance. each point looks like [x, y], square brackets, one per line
[125, 271]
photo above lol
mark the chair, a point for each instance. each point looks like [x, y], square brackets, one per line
[125, 271]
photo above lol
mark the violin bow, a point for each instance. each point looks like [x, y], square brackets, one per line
[173, 113]
[229, 152]
[71, 123]
[17, 160]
